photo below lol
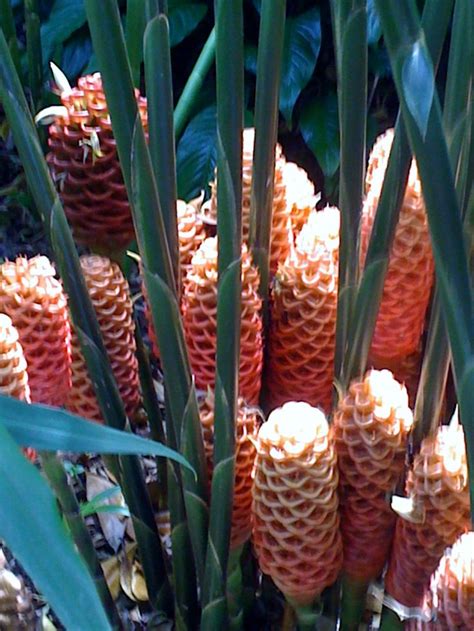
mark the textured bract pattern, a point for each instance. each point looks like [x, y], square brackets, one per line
[13, 375]
[200, 321]
[35, 301]
[295, 519]
[303, 316]
[410, 272]
[438, 485]
[371, 427]
[110, 297]
[300, 195]
[246, 429]
[84, 163]
[281, 222]
[191, 234]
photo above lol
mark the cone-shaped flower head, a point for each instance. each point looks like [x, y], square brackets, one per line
[409, 277]
[191, 234]
[438, 487]
[246, 430]
[281, 220]
[303, 315]
[300, 194]
[110, 297]
[13, 375]
[84, 162]
[295, 520]
[34, 299]
[371, 427]
[200, 321]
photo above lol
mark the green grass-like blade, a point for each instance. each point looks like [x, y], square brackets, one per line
[83, 315]
[160, 124]
[51, 429]
[435, 22]
[230, 88]
[42, 544]
[350, 29]
[269, 61]
[33, 50]
[7, 22]
[456, 119]
[406, 48]
[194, 84]
[134, 30]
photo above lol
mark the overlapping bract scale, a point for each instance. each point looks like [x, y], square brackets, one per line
[110, 297]
[410, 272]
[303, 316]
[300, 194]
[13, 375]
[200, 321]
[295, 519]
[247, 424]
[439, 488]
[281, 221]
[34, 299]
[371, 427]
[191, 234]
[84, 163]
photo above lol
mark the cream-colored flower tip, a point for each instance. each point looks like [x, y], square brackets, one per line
[295, 519]
[13, 375]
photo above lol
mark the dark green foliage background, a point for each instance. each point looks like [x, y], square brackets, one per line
[308, 127]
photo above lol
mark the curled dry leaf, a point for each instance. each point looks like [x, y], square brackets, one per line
[113, 525]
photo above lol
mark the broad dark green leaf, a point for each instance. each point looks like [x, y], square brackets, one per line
[418, 85]
[76, 55]
[197, 154]
[184, 16]
[32, 528]
[319, 124]
[51, 429]
[300, 54]
[66, 17]
[374, 30]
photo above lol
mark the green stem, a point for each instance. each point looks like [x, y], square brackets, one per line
[160, 125]
[270, 53]
[354, 595]
[152, 407]
[57, 478]
[307, 616]
[235, 589]
[390, 621]
[8, 26]
[194, 84]
[33, 50]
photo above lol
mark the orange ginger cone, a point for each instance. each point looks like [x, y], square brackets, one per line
[300, 195]
[303, 316]
[34, 299]
[200, 325]
[295, 520]
[13, 373]
[246, 430]
[371, 427]
[110, 297]
[281, 221]
[410, 272]
[191, 234]
[438, 487]
[84, 163]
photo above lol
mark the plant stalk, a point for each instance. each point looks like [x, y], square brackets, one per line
[194, 84]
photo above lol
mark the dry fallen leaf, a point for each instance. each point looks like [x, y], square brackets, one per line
[113, 525]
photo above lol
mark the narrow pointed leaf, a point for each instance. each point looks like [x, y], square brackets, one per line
[22, 490]
[418, 85]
